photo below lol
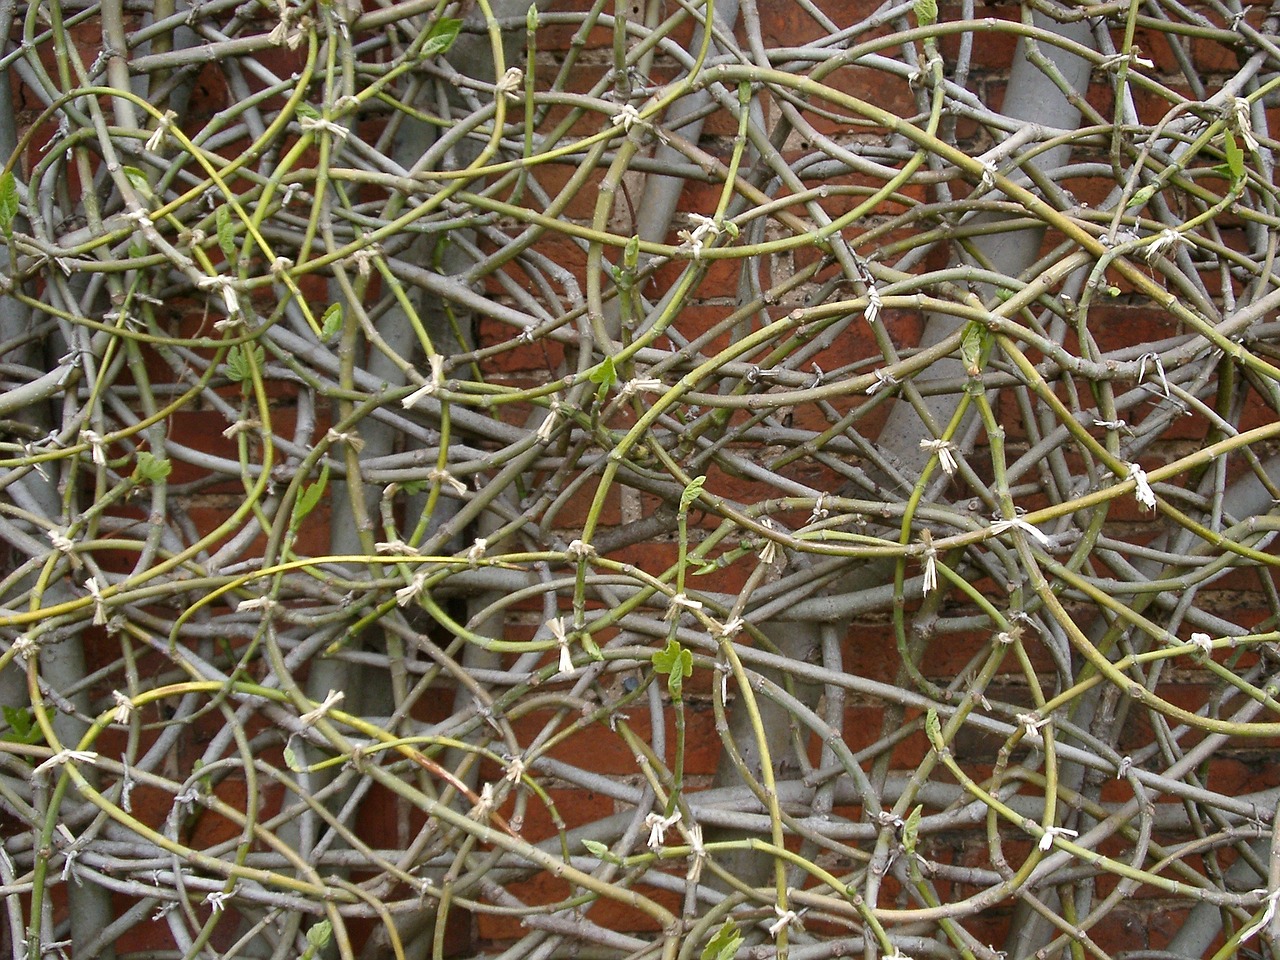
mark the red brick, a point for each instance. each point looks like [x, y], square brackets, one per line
[574, 807]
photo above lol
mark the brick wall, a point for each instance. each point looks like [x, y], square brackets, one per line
[239, 767]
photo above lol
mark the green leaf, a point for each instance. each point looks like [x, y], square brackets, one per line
[1143, 196]
[18, 719]
[239, 367]
[151, 468]
[138, 180]
[308, 499]
[331, 322]
[724, 945]
[226, 231]
[673, 658]
[291, 758]
[308, 111]
[1235, 157]
[531, 18]
[933, 730]
[206, 782]
[22, 726]
[926, 12]
[605, 375]
[598, 850]
[691, 493]
[677, 662]
[911, 830]
[9, 202]
[973, 345]
[631, 252]
[443, 32]
[320, 934]
[591, 647]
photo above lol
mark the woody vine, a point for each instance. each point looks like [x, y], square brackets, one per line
[402, 401]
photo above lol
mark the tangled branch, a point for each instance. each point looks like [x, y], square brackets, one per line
[599, 482]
